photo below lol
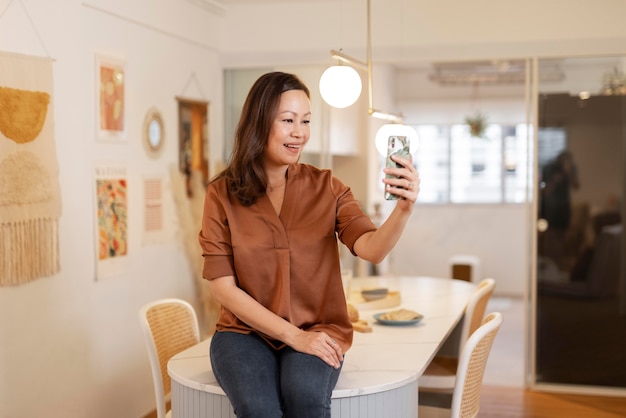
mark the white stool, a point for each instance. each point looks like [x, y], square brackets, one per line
[465, 267]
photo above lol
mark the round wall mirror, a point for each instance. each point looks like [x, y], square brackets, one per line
[153, 133]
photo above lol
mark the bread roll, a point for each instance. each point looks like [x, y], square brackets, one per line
[353, 313]
[361, 326]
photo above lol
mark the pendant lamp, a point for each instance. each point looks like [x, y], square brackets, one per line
[331, 81]
[340, 86]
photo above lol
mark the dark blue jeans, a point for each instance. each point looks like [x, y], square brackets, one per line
[263, 382]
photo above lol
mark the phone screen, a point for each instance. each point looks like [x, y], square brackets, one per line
[396, 145]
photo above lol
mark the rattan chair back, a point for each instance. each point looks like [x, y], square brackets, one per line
[169, 327]
[472, 364]
[475, 309]
[437, 382]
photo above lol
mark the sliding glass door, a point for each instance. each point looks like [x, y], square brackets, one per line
[579, 292]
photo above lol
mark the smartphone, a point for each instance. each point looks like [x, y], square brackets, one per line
[396, 145]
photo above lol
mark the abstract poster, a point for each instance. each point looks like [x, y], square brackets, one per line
[30, 195]
[110, 85]
[111, 194]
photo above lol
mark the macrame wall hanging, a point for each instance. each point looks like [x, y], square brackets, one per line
[30, 198]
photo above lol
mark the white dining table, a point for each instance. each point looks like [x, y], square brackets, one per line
[379, 378]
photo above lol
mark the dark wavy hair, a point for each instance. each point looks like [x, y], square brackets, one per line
[244, 174]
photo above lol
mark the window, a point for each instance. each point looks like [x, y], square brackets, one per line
[456, 167]
[432, 159]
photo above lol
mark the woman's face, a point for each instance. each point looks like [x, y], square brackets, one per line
[290, 129]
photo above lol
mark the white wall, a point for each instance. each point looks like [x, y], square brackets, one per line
[498, 236]
[70, 346]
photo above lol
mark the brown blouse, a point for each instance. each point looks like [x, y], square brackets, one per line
[289, 263]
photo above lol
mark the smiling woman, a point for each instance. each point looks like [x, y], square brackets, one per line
[286, 314]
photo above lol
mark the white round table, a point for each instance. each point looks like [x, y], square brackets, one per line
[381, 370]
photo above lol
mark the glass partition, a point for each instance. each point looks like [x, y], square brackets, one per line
[580, 317]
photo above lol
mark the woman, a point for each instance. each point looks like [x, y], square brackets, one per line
[271, 256]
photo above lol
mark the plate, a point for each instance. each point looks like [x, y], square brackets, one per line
[380, 320]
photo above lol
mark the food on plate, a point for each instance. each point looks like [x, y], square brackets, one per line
[360, 325]
[400, 315]
[353, 313]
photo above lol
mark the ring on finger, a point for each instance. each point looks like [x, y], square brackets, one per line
[410, 186]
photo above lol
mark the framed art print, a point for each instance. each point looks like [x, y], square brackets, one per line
[153, 210]
[111, 219]
[110, 98]
[193, 139]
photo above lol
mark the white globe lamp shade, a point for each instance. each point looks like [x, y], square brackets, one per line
[395, 129]
[340, 86]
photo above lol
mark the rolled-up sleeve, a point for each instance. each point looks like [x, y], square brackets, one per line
[351, 221]
[214, 237]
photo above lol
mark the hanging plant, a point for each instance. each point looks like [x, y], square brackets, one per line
[614, 83]
[477, 124]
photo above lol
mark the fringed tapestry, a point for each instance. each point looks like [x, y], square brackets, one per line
[30, 197]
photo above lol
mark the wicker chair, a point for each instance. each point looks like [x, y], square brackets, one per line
[437, 382]
[469, 376]
[169, 326]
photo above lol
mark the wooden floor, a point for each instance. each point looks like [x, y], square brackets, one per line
[505, 402]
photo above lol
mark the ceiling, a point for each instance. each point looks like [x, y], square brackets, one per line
[478, 72]
[504, 77]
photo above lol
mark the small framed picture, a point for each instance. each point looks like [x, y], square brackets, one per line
[110, 99]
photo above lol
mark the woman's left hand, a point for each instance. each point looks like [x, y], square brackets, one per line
[407, 183]
[320, 344]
